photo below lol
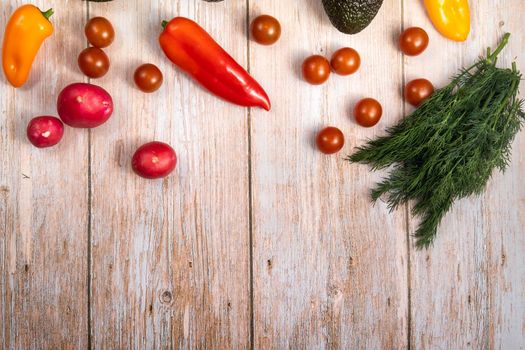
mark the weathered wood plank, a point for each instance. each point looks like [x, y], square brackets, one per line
[330, 270]
[456, 294]
[504, 202]
[170, 259]
[448, 282]
[43, 201]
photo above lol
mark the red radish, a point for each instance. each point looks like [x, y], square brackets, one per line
[154, 160]
[82, 105]
[45, 131]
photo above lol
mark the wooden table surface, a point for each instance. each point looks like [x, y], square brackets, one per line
[257, 239]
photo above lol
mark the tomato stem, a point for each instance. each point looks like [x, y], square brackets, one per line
[164, 24]
[47, 14]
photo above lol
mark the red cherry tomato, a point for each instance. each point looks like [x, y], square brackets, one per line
[367, 112]
[99, 32]
[417, 91]
[316, 70]
[345, 61]
[45, 131]
[148, 78]
[93, 62]
[154, 160]
[330, 140]
[266, 30]
[413, 41]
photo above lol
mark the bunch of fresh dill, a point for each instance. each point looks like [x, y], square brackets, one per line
[448, 148]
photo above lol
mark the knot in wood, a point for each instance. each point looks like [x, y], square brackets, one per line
[166, 297]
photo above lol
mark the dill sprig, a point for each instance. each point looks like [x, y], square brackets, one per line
[448, 148]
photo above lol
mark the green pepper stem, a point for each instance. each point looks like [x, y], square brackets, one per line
[47, 14]
[164, 24]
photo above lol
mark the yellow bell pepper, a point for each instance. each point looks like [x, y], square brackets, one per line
[450, 17]
[25, 32]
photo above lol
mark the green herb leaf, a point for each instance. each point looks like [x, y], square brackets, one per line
[448, 148]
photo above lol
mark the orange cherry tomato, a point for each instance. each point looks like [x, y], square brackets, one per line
[93, 62]
[266, 30]
[418, 90]
[368, 112]
[148, 77]
[316, 70]
[330, 140]
[99, 32]
[345, 61]
[413, 41]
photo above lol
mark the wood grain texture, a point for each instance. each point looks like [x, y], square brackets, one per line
[330, 270]
[504, 204]
[448, 282]
[170, 258]
[91, 255]
[456, 286]
[43, 202]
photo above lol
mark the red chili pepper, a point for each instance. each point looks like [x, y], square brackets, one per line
[191, 48]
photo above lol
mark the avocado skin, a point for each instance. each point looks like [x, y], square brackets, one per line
[351, 16]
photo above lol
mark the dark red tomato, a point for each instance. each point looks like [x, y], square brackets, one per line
[93, 62]
[368, 112]
[148, 77]
[316, 70]
[266, 30]
[154, 160]
[413, 41]
[45, 131]
[330, 140]
[418, 90]
[345, 61]
[99, 32]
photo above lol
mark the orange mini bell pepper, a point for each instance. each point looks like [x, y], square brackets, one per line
[450, 17]
[25, 32]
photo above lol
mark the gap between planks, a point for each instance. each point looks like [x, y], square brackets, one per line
[407, 206]
[250, 189]
[89, 220]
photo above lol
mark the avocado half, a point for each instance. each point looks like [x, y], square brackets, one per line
[351, 16]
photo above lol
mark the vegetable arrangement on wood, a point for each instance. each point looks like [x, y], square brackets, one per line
[450, 146]
[450, 17]
[445, 150]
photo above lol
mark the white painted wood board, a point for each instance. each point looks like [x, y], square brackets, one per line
[257, 240]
